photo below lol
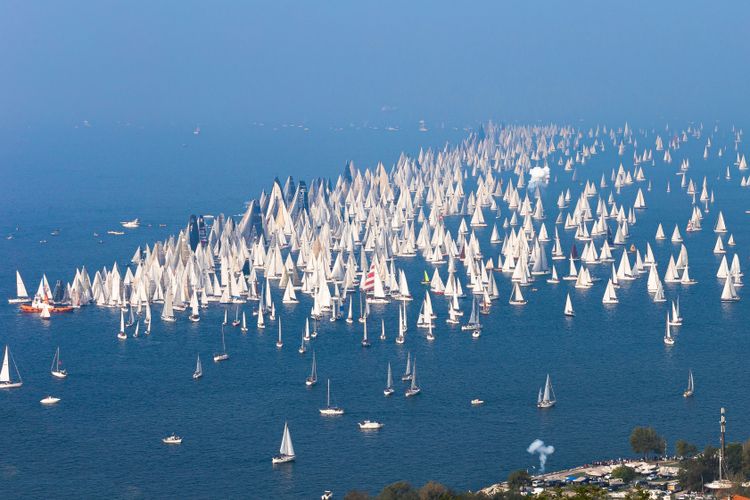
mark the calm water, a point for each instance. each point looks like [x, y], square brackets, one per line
[609, 366]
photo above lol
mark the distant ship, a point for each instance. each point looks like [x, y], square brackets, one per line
[131, 224]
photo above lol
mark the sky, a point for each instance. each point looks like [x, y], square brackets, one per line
[378, 62]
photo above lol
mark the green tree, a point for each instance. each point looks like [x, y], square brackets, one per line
[398, 491]
[685, 449]
[627, 474]
[637, 494]
[733, 458]
[588, 492]
[696, 472]
[435, 491]
[645, 440]
[518, 478]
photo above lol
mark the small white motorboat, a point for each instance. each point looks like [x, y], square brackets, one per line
[370, 425]
[173, 439]
[50, 400]
[477, 402]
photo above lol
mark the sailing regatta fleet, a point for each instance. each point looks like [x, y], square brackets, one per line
[340, 249]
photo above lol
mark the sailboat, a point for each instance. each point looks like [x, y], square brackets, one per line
[430, 335]
[286, 452]
[407, 373]
[137, 328]
[302, 349]
[194, 316]
[313, 378]
[350, 318]
[413, 389]
[225, 318]
[426, 279]
[167, 313]
[121, 334]
[243, 328]
[329, 410]
[198, 373]
[382, 329]
[279, 343]
[516, 297]
[668, 339]
[569, 307]
[473, 323]
[56, 369]
[546, 398]
[389, 383]
[690, 387]
[5, 380]
[222, 356]
[236, 321]
[21, 294]
[365, 342]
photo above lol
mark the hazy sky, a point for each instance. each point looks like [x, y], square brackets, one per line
[336, 62]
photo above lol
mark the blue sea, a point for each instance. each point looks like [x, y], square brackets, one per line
[609, 366]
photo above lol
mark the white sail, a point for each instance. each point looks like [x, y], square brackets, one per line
[569, 307]
[21, 292]
[5, 371]
[286, 443]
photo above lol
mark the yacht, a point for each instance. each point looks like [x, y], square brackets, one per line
[546, 399]
[50, 400]
[286, 451]
[690, 387]
[56, 369]
[173, 439]
[369, 425]
[330, 411]
[6, 382]
[198, 373]
[389, 383]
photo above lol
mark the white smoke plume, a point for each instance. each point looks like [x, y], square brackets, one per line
[538, 447]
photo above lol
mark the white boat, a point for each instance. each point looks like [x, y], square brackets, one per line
[370, 425]
[243, 328]
[330, 411]
[382, 329]
[6, 382]
[279, 342]
[690, 387]
[167, 313]
[516, 297]
[198, 373]
[668, 339]
[121, 334]
[131, 224]
[194, 306]
[365, 342]
[389, 383]
[473, 323]
[222, 356]
[327, 495]
[569, 307]
[50, 400]
[313, 378]
[477, 402]
[236, 321]
[21, 294]
[56, 369]
[350, 317]
[413, 389]
[45, 311]
[407, 373]
[546, 398]
[173, 439]
[286, 451]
